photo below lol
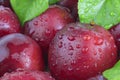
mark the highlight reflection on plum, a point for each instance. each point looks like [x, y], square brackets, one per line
[19, 51]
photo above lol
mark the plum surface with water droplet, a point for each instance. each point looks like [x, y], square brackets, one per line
[47, 24]
[19, 51]
[86, 50]
[115, 31]
[9, 22]
[44, 27]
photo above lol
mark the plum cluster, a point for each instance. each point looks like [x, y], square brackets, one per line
[55, 45]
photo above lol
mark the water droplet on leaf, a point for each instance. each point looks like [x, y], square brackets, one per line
[112, 14]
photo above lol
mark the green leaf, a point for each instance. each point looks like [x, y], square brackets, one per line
[113, 73]
[29, 9]
[102, 12]
[53, 1]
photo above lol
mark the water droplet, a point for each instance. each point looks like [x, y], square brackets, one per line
[82, 16]
[118, 39]
[90, 1]
[64, 64]
[114, 46]
[53, 65]
[35, 23]
[112, 54]
[79, 57]
[94, 3]
[70, 68]
[96, 65]
[4, 20]
[70, 48]
[86, 67]
[78, 46]
[86, 37]
[60, 36]
[47, 31]
[36, 39]
[50, 77]
[73, 62]
[112, 14]
[108, 26]
[111, 38]
[71, 53]
[95, 53]
[81, 0]
[77, 69]
[98, 41]
[41, 40]
[32, 31]
[60, 44]
[71, 38]
[85, 50]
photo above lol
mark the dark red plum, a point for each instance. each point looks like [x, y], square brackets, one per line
[9, 22]
[19, 51]
[44, 27]
[115, 31]
[81, 51]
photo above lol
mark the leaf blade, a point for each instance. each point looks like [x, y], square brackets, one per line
[29, 9]
[101, 12]
[113, 73]
[53, 1]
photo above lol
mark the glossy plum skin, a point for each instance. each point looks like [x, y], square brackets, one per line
[43, 28]
[79, 52]
[5, 3]
[9, 22]
[19, 51]
[115, 31]
[27, 75]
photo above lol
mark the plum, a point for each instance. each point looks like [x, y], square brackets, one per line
[27, 75]
[19, 51]
[80, 51]
[43, 28]
[115, 31]
[9, 22]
